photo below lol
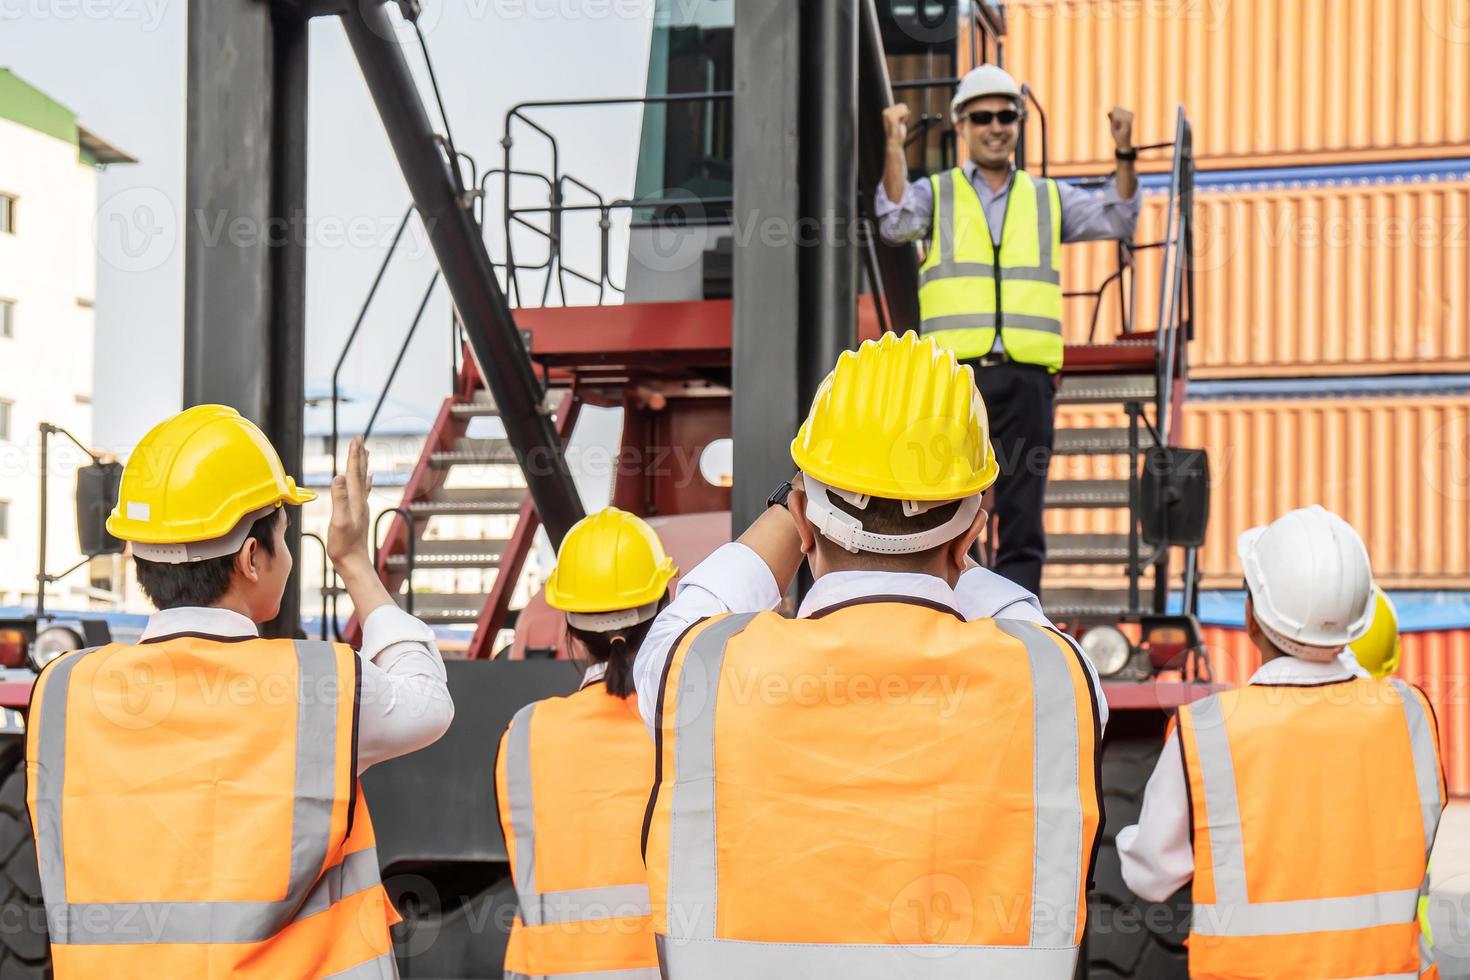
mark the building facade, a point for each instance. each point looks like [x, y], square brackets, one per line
[48, 200]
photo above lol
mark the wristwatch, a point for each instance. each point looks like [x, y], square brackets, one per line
[1129, 155]
[779, 495]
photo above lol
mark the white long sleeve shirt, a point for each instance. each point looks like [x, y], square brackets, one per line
[404, 702]
[735, 579]
[1156, 853]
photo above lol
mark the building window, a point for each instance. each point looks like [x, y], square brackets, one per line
[7, 318]
[7, 214]
[4, 519]
[5, 408]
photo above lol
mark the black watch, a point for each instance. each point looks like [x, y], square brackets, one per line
[1130, 155]
[778, 496]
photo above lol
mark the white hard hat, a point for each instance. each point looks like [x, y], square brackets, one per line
[982, 81]
[1310, 583]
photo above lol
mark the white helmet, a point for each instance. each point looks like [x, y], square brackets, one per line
[1310, 583]
[982, 81]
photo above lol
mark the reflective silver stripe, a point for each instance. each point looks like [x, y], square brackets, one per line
[1222, 806]
[955, 270]
[945, 216]
[958, 321]
[309, 888]
[729, 959]
[1028, 274]
[1057, 860]
[379, 968]
[693, 888]
[1041, 190]
[543, 908]
[633, 973]
[522, 812]
[1026, 321]
[1306, 915]
[51, 777]
[1426, 760]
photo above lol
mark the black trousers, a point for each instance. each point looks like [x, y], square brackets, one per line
[1021, 401]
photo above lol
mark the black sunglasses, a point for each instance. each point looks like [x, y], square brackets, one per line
[982, 117]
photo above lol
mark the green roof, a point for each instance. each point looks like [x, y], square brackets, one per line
[23, 103]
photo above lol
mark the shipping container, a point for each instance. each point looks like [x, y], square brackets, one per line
[1266, 82]
[1344, 276]
[1396, 468]
[1438, 662]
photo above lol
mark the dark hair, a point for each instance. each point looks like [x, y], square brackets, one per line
[200, 583]
[885, 516]
[617, 649]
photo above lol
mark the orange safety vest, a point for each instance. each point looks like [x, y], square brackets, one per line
[571, 783]
[1314, 810]
[198, 814]
[881, 790]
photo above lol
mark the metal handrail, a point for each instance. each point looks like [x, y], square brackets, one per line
[326, 588]
[357, 326]
[408, 551]
[557, 181]
[413, 327]
[1174, 282]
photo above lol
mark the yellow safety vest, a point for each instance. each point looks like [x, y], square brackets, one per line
[966, 294]
[882, 790]
[198, 814]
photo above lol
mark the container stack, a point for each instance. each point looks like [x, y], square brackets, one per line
[1331, 359]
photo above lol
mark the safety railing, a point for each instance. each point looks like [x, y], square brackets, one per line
[560, 184]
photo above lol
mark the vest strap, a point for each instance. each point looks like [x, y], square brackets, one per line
[383, 967]
[1306, 915]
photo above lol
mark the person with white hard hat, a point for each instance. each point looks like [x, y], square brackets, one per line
[1303, 806]
[990, 285]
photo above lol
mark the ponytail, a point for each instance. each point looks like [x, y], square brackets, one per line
[618, 649]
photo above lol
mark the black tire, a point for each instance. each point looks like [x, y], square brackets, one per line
[1127, 936]
[25, 950]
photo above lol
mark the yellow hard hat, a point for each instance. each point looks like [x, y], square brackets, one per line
[1378, 649]
[898, 418]
[611, 571]
[191, 483]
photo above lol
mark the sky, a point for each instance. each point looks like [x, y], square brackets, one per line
[120, 65]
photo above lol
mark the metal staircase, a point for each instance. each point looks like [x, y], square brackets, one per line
[1143, 376]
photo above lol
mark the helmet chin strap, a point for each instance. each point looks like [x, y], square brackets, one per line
[846, 530]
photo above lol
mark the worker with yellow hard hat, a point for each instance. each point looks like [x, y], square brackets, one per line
[1303, 806]
[990, 287]
[900, 781]
[573, 773]
[195, 795]
[1377, 651]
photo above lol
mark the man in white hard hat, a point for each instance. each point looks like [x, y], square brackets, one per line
[990, 287]
[1304, 805]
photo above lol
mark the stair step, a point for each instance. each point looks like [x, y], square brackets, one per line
[445, 607]
[450, 553]
[474, 452]
[1089, 605]
[482, 405]
[1099, 389]
[1087, 549]
[1087, 493]
[1098, 442]
[469, 501]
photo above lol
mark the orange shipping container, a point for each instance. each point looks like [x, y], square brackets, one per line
[1339, 278]
[1266, 82]
[1438, 662]
[1398, 469]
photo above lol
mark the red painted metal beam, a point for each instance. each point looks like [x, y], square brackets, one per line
[1134, 696]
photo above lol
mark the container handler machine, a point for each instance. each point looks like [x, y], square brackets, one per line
[756, 110]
